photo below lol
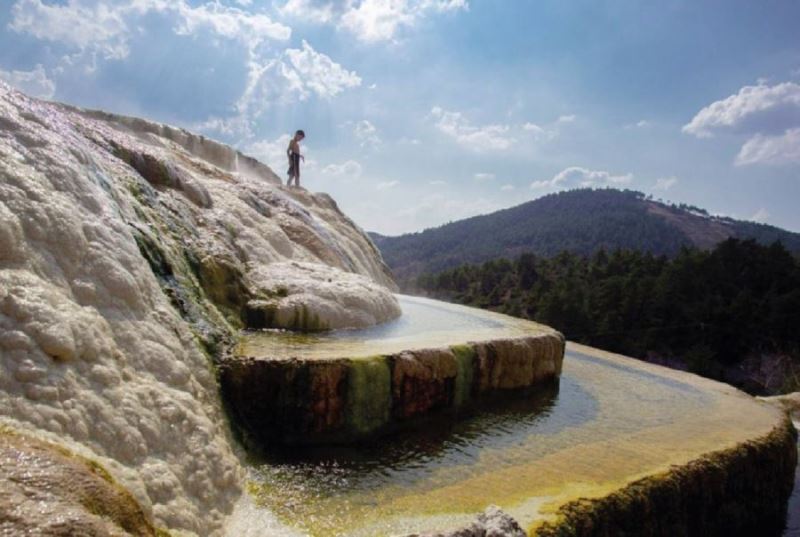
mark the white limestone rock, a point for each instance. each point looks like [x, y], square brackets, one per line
[123, 245]
[312, 296]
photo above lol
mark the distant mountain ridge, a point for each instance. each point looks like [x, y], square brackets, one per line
[580, 221]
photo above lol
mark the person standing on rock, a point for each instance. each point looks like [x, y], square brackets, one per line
[293, 152]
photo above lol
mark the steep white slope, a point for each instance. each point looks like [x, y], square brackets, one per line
[128, 251]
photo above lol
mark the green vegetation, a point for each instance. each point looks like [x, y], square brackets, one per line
[731, 313]
[581, 221]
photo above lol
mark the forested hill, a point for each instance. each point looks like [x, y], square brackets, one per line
[579, 221]
[730, 313]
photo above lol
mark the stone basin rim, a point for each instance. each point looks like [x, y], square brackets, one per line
[438, 348]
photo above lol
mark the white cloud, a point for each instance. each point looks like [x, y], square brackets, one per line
[377, 20]
[386, 185]
[548, 132]
[477, 138]
[98, 28]
[438, 182]
[507, 188]
[484, 176]
[34, 82]
[369, 20]
[229, 22]
[533, 127]
[761, 215]
[764, 149]
[665, 183]
[308, 10]
[349, 168]
[769, 115]
[270, 152]
[641, 124]
[317, 72]
[80, 24]
[366, 133]
[577, 176]
[297, 74]
[761, 108]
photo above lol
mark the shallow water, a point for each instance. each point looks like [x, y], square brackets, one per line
[608, 421]
[424, 323]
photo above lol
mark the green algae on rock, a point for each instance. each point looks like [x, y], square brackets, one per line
[369, 400]
[465, 373]
[340, 388]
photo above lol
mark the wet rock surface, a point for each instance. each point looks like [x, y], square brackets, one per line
[491, 523]
[131, 252]
[46, 490]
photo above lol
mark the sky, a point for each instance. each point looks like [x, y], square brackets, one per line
[421, 112]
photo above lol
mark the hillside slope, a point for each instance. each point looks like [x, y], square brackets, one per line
[580, 221]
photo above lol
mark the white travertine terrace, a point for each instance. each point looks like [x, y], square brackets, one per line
[92, 352]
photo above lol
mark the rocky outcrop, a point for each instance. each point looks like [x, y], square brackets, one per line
[130, 253]
[298, 401]
[491, 523]
[49, 491]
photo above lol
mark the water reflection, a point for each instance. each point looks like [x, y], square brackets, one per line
[443, 440]
[323, 487]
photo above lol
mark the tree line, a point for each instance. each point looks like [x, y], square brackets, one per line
[731, 313]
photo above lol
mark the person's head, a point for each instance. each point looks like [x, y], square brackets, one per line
[299, 135]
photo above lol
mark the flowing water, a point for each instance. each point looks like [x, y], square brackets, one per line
[608, 421]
